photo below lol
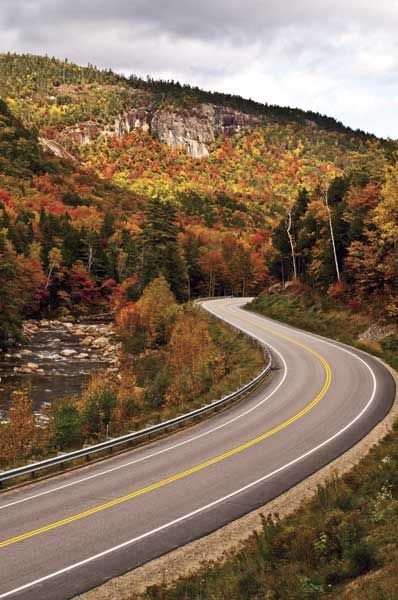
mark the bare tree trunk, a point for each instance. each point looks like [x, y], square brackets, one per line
[90, 258]
[289, 235]
[332, 236]
[50, 272]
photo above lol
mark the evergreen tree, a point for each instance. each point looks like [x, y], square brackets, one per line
[10, 298]
[160, 253]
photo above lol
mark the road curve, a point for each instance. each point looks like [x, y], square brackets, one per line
[68, 534]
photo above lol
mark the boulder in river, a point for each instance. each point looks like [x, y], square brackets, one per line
[79, 331]
[68, 352]
[87, 341]
[32, 366]
[28, 368]
[29, 328]
[100, 342]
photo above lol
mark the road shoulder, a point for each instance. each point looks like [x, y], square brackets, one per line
[219, 544]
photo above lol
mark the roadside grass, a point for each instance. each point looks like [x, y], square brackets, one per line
[341, 543]
[324, 316]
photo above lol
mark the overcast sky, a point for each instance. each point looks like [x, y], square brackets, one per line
[338, 57]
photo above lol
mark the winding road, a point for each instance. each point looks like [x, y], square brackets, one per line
[65, 535]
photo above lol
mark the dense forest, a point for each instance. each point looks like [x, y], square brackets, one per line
[41, 80]
[297, 196]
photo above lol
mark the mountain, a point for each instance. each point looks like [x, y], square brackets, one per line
[100, 176]
[78, 104]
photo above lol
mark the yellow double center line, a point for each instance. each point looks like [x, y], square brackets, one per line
[196, 468]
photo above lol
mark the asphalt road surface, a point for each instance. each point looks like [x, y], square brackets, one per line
[68, 534]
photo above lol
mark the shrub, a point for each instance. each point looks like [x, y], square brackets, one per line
[155, 393]
[97, 404]
[390, 343]
[362, 558]
[65, 425]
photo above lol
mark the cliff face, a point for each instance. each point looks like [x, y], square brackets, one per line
[83, 134]
[195, 130]
[54, 148]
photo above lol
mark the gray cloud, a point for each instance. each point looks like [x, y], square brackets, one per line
[337, 57]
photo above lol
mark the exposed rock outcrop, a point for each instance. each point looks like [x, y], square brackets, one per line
[82, 134]
[55, 148]
[377, 331]
[194, 130]
[133, 119]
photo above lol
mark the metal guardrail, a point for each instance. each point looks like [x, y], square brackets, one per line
[137, 435]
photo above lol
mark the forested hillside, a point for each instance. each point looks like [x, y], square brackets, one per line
[122, 198]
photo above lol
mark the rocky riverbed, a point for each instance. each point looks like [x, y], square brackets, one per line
[56, 359]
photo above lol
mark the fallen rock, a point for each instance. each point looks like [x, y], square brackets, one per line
[87, 341]
[82, 355]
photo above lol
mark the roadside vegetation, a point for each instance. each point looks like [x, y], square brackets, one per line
[341, 544]
[174, 358]
[326, 315]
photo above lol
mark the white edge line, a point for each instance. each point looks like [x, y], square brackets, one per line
[169, 448]
[219, 500]
[207, 506]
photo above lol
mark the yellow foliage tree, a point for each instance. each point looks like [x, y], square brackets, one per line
[386, 213]
[158, 309]
[17, 437]
[194, 361]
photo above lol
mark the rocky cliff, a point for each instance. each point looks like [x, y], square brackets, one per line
[195, 130]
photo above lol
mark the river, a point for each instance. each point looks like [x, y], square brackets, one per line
[56, 360]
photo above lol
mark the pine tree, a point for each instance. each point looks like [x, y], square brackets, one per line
[160, 254]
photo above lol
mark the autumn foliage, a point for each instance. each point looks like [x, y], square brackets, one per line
[298, 196]
[194, 361]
